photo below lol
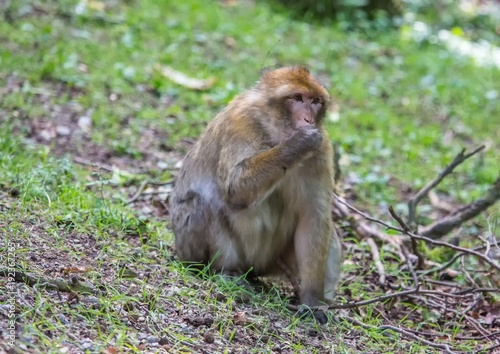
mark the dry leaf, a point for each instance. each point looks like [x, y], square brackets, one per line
[184, 80]
[240, 318]
[111, 350]
[96, 5]
[78, 269]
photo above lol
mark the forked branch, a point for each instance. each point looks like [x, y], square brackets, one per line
[413, 202]
[462, 214]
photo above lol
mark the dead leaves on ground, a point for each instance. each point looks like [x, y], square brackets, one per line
[184, 80]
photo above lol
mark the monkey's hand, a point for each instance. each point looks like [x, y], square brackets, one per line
[307, 138]
[304, 141]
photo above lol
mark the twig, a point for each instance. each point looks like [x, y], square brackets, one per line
[341, 210]
[473, 304]
[410, 266]
[351, 305]
[442, 283]
[5, 206]
[488, 350]
[467, 275]
[376, 260]
[398, 219]
[405, 333]
[411, 293]
[444, 266]
[414, 246]
[105, 167]
[440, 335]
[56, 284]
[486, 243]
[477, 326]
[140, 189]
[459, 294]
[366, 216]
[456, 248]
[453, 260]
[424, 238]
[412, 203]
[490, 335]
[429, 302]
[86, 162]
[467, 212]
[138, 192]
[477, 290]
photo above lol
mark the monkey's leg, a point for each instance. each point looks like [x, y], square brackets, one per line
[191, 223]
[203, 233]
[333, 267]
[312, 238]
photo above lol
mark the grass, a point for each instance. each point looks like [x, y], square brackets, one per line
[405, 109]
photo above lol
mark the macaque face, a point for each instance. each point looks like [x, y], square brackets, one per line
[304, 109]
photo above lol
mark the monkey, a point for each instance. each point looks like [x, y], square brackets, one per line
[255, 191]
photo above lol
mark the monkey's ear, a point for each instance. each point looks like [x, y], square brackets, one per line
[302, 70]
[265, 70]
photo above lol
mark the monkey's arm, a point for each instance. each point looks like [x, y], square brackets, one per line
[251, 179]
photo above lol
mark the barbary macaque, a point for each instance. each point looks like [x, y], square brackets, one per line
[255, 191]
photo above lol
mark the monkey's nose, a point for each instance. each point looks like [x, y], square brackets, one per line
[309, 120]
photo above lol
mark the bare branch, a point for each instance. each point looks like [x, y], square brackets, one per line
[489, 349]
[365, 216]
[54, 284]
[137, 194]
[398, 219]
[410, 267]
[412, 203]
[453, 260]
[351, 305]
[414, 245]
[86, 162]
[401, 331]
[376, 260]
[424, 238]
[467, 212]
[354, 304]
[341, 209]
[456, 248]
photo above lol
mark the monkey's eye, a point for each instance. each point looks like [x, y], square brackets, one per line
[316, 100]
[298, 98]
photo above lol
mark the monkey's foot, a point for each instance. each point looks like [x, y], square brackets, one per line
[305, 311]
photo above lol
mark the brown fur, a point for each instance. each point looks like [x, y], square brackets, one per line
[256, 187]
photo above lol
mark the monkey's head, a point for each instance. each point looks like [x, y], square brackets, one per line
[299, 97]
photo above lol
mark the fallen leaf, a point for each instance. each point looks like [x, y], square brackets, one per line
[208, 337]
[96, 5]
[111, 350]
[240, 318]
[68, 270]
[184, 80]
